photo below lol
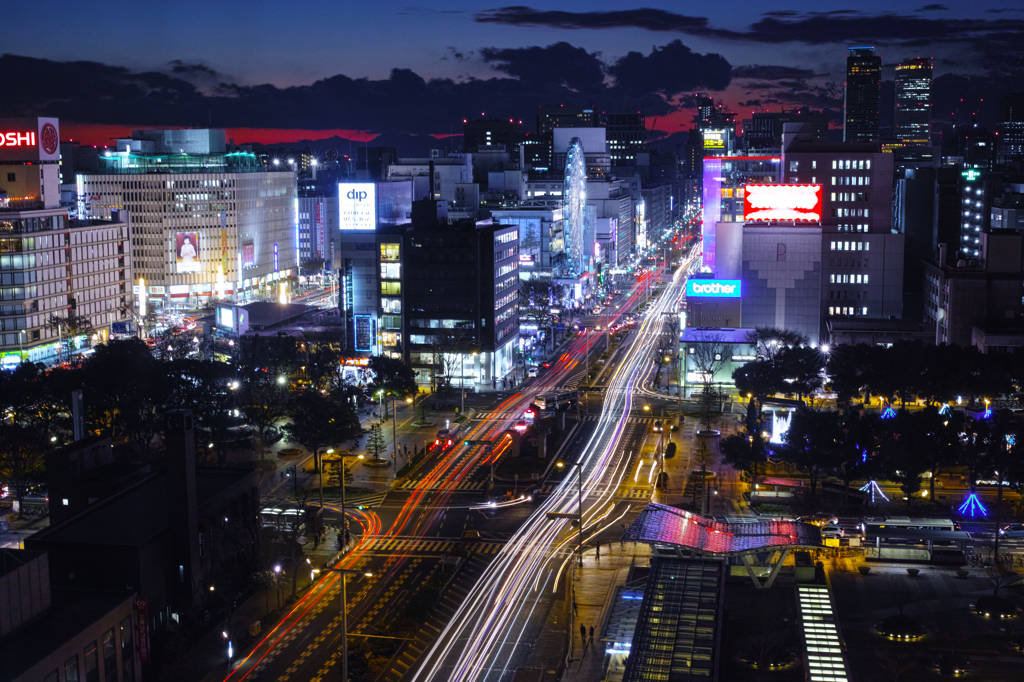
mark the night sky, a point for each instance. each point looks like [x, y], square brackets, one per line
[320, 68]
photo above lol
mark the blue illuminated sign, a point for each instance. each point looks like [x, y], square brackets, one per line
[713, 288]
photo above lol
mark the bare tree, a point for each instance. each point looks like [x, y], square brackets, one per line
[893, 663]
[710, 353]
[68, 328]
[769, 341]
[449, 347]
[21, 460]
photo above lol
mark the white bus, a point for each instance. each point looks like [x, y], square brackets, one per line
[878, 527]
[551, 401]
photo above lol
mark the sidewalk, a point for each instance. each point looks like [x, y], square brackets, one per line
[594, 588]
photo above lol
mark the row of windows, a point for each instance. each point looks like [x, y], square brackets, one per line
[850, 196]
[850, 227]
[850, 246]
[851, 180]
[848, 279]
[391, 288]
[849, 213]
[506, 237]
[844, 295]
[845, 310]
[851, 164]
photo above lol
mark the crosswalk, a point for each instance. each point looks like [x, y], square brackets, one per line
[374, 500]
[439, 546]
[502, 415]
[461, 485]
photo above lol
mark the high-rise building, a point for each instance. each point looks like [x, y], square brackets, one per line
[549, 118]
[1010, 126]
[204, 226]
[861, 122]
[762, 132]
[913, 113]
[491, 133]
[53, 265]
[449, 290]
[626, 137]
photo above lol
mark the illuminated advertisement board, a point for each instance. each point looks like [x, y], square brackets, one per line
[358, 205]
[186, 252]
[714, 139]
[248, 256]
[782, 202]
[364, 332]
[226, 318]
[713, 288]
[29, 139]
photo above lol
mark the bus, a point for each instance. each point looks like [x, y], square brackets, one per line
[553, 401]
[878, 527]
[292, 519]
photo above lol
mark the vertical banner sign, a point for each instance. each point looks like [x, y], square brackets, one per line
[276, 268]
[319, 222]
[142, 627]
[364, 334]
[224, 242]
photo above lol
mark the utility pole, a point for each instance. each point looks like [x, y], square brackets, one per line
[578, 515]
[489, 444]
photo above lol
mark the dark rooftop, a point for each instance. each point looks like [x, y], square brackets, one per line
[263, 314]
[139, 513]
[70, 613]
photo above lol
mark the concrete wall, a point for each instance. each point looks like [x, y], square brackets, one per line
[781, 275]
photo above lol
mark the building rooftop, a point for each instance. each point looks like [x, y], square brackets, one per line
[13, 559]
[661, 524]
[137, 514]
[264, 314]
[679, 627]
[69, 615]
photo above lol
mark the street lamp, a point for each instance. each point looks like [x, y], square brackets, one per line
[579, 516]
[277, 583]
[462, 380]
[344, 519]
[345, 572]
[281, 380]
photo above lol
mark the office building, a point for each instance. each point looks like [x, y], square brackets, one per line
[448, 289]
[167, 535]
[49, 634]
[314, 240]
[550, 118]
[205, 226]
[762, 132]
[1010, 127]
[913, 113]
[53, 265]
[626, 136]
[372, 163]
[861, 119]
[507, 134]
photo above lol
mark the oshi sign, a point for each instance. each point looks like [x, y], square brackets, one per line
[713, 288]
[29, 139]
[782, 202]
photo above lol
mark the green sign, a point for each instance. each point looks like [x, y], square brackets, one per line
[970, 175]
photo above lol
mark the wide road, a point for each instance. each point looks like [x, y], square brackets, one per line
[481, 641]
[405, 539]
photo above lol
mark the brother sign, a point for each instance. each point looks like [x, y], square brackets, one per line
[358, 205]
[713, 288]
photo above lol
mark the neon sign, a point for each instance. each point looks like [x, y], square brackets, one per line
[782, 202]
[18, 139]
[713, 288]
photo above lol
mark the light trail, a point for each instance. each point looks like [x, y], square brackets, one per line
[481, 637]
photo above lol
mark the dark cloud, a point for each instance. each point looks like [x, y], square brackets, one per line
[751, 103]
[194, 94]
[453, 53]
[933, 8]
[671, 70]
[645, 18]
[558, 64]
[771, 72]
[813, 28]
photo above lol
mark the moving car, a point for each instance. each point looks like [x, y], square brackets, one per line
[532, 371]
[658, 426]
[1014, 530]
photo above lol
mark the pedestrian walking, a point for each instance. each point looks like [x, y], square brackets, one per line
[591, 641]
[575, 608]
[583, 633]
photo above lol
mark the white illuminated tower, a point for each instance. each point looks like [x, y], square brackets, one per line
[574, 202]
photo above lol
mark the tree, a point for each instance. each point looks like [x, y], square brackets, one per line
[903, 450]
[709, 354]
[859, 440]
[812, 443]
[21, 460]
[393, 377]
[375, 443]
[744, 452]
[802, 369]
[313, 266]
[264, 401]
[318, 421]
[769, 341]
[758, 379]
[68, 328]
[449, 346]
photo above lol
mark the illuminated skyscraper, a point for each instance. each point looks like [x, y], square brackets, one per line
[860, 102]
[913, 114]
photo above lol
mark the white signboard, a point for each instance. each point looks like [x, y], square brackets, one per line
[358, 205]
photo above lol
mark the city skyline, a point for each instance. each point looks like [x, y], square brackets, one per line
[269, 71]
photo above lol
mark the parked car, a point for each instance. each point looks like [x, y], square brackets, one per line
[831, 530]
[1014, 530]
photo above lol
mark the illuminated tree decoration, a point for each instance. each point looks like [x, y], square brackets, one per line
[574, 203]
[889, 413]
[973, 507]
[872, 487]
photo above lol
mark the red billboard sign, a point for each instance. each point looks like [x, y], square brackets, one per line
[763, 203]
[29, 139]
[142, 627]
